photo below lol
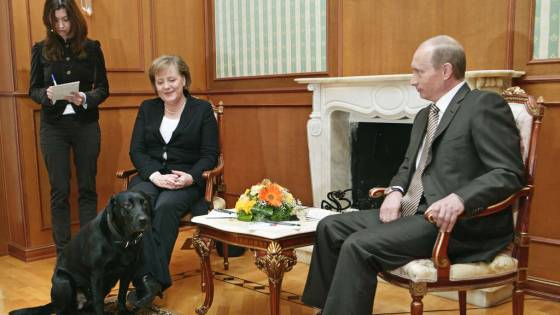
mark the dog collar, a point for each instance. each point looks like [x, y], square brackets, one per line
[120, 239]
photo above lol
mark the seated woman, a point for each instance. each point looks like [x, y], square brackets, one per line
[175, 139]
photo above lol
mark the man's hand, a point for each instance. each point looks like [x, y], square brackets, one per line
[391, 206]
[446, 211]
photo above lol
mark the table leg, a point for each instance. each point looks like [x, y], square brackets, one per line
[274, 263]
[203, 246]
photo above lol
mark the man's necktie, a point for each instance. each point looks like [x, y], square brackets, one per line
[410, 201]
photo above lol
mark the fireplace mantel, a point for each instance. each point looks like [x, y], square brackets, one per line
[340, 101]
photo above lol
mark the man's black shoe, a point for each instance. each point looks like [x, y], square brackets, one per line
[145, 292]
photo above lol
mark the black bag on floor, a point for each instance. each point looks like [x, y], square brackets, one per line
[233, 251]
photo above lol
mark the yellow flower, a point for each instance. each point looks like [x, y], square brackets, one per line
[245, 204]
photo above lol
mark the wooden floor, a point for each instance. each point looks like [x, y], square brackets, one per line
[242, 290]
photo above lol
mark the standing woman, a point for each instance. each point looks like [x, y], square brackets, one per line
[67, 55]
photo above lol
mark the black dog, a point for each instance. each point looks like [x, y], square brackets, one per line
[105, 251]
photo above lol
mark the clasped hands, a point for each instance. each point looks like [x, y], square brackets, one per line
[444, 212]
[75, 97]
[175, 180]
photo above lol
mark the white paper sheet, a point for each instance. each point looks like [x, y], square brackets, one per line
[62, 90]
[219, 214]
[318, 213]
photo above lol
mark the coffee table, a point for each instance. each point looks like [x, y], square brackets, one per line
[274, 245]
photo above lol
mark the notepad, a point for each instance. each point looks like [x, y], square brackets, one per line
[62, 90]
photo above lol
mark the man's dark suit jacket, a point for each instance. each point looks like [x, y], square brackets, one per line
[475, 154]
[193, 147]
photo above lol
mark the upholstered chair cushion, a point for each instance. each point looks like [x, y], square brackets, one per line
[524, 122]
[424, 270]
[218, 203]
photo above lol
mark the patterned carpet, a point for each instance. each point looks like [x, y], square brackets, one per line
[112, 307]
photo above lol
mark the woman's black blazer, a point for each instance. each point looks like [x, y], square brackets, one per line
[193, 147]
[89, 70]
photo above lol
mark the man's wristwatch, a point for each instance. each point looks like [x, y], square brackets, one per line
[390, 189]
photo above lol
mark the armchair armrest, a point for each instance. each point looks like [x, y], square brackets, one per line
[376, 192]
[213, 178]
[506, 203]
[125, 175]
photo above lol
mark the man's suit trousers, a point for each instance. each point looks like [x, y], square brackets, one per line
[352, 248]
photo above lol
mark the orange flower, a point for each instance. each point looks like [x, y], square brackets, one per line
[272, 194]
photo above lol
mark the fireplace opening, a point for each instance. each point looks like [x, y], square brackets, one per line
[377, 151]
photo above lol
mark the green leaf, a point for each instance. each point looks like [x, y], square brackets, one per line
[242, 216]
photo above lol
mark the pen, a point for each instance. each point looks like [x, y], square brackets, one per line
[281, 223]
[224, 211]
[52, 77]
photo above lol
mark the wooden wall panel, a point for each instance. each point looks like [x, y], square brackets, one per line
[541, 268]
[116, 120]
[21, 44]
[6, 86]
[6, 77]
[6, 107]
[180, 31]
[266, 137]
[548, 90]
[523, 47]
[545, 223]
[123, 46]
[11, 168]
[380, 37]
[545, 250]
[34, 181]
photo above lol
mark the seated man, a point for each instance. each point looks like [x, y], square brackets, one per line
[464, 155]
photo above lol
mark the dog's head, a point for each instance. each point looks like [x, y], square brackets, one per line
[131, 213]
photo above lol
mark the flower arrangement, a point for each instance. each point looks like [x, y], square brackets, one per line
[266, 201]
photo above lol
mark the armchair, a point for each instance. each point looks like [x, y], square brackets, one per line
[438, 274]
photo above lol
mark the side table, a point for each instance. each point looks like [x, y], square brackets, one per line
[274, 244]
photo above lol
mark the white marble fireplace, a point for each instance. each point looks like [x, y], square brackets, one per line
[338, 102]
